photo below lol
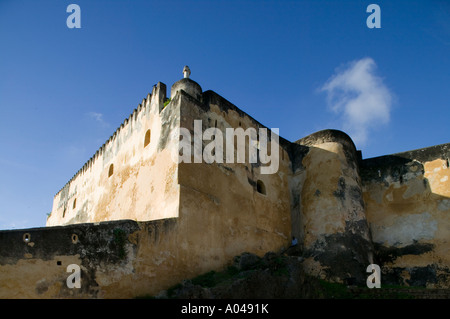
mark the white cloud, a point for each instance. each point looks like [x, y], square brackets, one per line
[98, 117]
[359, 97]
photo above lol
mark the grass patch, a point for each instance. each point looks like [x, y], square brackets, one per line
[334, 290]
[280, 267]
[205, 280]
[213, 278]
[171, 290]
[402, 287]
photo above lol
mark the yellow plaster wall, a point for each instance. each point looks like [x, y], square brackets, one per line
[143, 185]
[413, 211]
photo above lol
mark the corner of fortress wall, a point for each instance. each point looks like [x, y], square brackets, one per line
[114, 183]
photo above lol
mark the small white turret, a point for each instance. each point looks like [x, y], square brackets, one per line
[186, 72]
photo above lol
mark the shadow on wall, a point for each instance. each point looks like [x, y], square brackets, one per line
[408, 220]
[328, 208]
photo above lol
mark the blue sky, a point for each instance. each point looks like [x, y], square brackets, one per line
[300, 66]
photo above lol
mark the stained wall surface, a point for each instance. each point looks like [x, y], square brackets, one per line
[407, 197]
[333, 226]
[225, 196]
[131, 176]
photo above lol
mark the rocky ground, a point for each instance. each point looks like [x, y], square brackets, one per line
[252, 277]
[280, 276]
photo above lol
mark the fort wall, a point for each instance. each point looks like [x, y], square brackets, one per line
[150, 222]
[407, 198]
[334, 232]
[245, 217]
[130, 177]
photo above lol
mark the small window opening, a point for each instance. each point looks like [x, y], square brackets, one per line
[260, 187]
[26, 237]
[74, 238]
[215, 123]
[448, 163]
[401, 179]
[59, 263]
[111, 170]
[74, 203]
[147, 138]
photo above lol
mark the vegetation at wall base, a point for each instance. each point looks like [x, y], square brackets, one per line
[280, 276]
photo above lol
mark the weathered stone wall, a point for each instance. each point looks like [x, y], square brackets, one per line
[33, 262]
[142, 183]
[118, 259]
[407, 198]
[226, 194]
[333, 228]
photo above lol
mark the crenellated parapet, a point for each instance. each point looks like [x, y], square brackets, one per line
[81, 183]
[157, 97]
